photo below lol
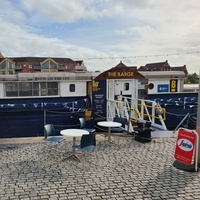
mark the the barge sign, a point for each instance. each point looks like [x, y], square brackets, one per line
[120, 74]
[185, 146]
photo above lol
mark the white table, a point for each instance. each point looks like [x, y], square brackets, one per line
[109, 125]
[74, 133]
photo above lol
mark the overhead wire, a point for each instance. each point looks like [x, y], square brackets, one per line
[135, 56]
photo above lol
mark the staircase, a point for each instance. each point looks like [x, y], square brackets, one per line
[135, 110]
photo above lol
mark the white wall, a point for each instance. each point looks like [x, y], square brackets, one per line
[133, 87]
[161, 85]
[80, 89]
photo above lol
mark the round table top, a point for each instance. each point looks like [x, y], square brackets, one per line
[109, 124]
[74, 132]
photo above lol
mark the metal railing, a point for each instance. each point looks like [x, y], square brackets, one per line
[137, 110]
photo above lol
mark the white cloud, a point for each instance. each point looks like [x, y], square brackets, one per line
[63, 11]
[133, 28]
[9, 11]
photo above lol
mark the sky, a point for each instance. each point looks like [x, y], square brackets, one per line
[103, 33]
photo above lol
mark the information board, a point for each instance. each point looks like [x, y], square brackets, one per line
[99, 98]
[185, 145]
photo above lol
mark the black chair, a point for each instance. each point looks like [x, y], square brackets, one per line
[87, 142]
[120, 129]
[51, 137]
[83, 126]
[50, 134]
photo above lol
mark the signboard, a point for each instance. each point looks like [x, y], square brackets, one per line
[163, 88]
[185, 145]
[173, 85]
[99, 97]
[118, 74]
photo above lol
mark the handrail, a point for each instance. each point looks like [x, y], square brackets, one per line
[136, 110]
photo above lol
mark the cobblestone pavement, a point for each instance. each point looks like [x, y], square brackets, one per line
[127, 169]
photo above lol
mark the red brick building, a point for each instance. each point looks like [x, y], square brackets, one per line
[14, 65]
[162, 66]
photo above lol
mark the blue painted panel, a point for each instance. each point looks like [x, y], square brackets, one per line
[163, 88]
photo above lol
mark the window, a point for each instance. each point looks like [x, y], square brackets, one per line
[52, 88]
[53, 65]
[43, 89]
[67, 67]
[36, 90]
[11, 89]
[151, 86]
[3, 65]
[126, 86]
[16, 89]
[18, 66]
[49, 89]
[30, 66]
[45, 65]
[72, 87]
[36, 66]
[25, 89]
[61, 67]
[10, 65]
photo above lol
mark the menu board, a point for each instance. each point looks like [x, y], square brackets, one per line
[99, 98]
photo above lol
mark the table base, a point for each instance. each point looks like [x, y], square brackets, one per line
[67, 157]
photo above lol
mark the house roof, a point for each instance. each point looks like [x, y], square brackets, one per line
[154, 66]
[41, 59]
[8, 59]
[163, 74]
[28, 59]
[181, 68]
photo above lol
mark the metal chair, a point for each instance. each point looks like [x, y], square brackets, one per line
[83, 126]
[120, 129]
[87, 144]
[51, 136]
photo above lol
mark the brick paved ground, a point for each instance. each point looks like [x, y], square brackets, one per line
[124, 170]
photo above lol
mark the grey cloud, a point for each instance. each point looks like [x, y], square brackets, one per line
[131, 4]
